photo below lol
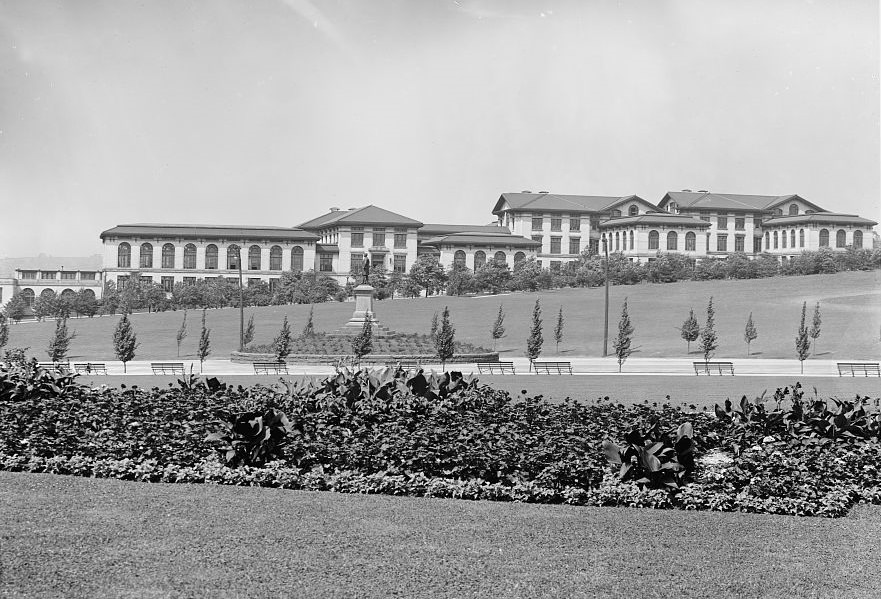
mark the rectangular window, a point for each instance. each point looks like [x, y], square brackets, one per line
[721, 243]
[721, 222]
[704, 216]
[356, 264]
[537, 223]
[167, 284]
[555, 266]
[45, 274]
[738, 243]
[400, 240]
[555, 244]
[28, 274]
[556, 223]
[357, 237]
[325, 262]
[757, 220]
[87, 276]
[68, 276]
[400, 263]
[538, 239]
[379, 237]
[574, 245]
[146, 280]
[574, 223]
[121, 281]
[595, 222]
[252, 281]
[210, 280]
[192, 280]
[739, 224]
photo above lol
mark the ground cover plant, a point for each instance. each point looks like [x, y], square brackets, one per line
[408, 433]
[397, 343]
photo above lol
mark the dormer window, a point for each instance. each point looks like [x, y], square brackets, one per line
[633, 210]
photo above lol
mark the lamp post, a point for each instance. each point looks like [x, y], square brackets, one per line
[606, 318]
[241, 301]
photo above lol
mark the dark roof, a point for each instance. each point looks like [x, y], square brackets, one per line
[368, 215]
[480, 239]
[554, 202]
[705, 200]
[431, 230]
[210, 232]
[832, 218]
[655, 218]
[43, 262]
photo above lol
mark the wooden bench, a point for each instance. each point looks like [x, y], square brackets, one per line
[864, 368]
[552, 367]
[496, 368]
[60, 367]
[709, 368]
[405, 364]
[270, 368]
[90, 368]
[167, 367]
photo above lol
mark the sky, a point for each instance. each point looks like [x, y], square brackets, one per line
[271, 112]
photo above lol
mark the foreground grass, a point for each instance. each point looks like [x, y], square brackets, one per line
[850, 304]
[75, 537]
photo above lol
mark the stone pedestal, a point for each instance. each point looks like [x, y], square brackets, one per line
[363, 311]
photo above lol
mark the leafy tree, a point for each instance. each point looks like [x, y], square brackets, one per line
[309, 329]
[802, 340]
[60, 341]
[282, 343]
[492, 276]
[432, 333]
[4, 331]
[690, 329]
[459, 280]
[750, 333]
[527, 275]
[85, 303]
[428, 274]
[181, 333]
[815, 326]
[248, 335]
[558, 329]
[498, 328]
[621, 344]
[110, 298]
[204, 342]
[44, 305]
[444, 341]
[709, 341]
[125, 342]
[16, 308]
[362, 343]
[535, 339]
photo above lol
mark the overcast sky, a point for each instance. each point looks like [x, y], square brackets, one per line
[268, 113]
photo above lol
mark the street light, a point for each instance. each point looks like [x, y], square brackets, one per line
[241, 299]
[606, 319]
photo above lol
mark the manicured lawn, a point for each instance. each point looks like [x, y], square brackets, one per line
[850, 305]
[91, 538]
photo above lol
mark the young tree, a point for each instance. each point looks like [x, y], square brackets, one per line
[498, 328]
[282, 343]
[309, 329]
[248, 336]
[621, 344]
[4, 331]
[125, 342]
[558, 330]
[16, 308]
[362, 343]
[802, 340]
[444, 341]
[750, 333]
[815, 326]
[690, 329]
[60, 341]
[432, 333]
[709, 341]
[181, 333]
[535, 339]
[204, 342]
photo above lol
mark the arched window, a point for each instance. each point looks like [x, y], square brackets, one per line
[792, 238]
[824, 238]
[783, 239]
[672, 241]
[793, 210]
[47, 294]
[519, 257]
[778, 212]
[617, 241]
[767, 241]
[68, 295]
[776, 243]
[232, 257]
[167, 256]
[146, 255]
[801, 238]
[858, 239]
[211, 256]
[479, 259]
[189, 256]
[654, 239]
[500, 258]
[633, 210]
[459, 258]
[690, 241]
[631, 240]
[88, 294]
[297, 259]
[124, 255]
[27, 295]
[275, 257]
[254, 257]
[840, 239]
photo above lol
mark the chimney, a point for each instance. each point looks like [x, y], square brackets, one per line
[702, 191]
[525, 191]
[544, 192]
[334, 209]
[686, 190]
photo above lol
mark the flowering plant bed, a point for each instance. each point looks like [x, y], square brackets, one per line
[392, 344]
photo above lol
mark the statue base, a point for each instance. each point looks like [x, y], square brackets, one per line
[363, 312]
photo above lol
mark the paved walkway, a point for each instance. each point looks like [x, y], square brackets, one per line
[582, 366]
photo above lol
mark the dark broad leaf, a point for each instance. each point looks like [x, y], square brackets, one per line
[633, 437]
[216, 437]
[611, 451]
[649, 462]
[722, 415]
[728, 406]
[655, 448]
[626, 468]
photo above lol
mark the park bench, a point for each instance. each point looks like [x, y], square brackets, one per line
[864, 368]
[270, 368]
[59, 367]
[709, 368]
[496, 368]
[404, 364]
[167, 367]
[90, 368]
[552, 367]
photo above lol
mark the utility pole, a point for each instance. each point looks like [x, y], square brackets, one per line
[606, 319]
[241, 303]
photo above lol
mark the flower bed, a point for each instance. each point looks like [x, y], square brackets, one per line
[446, 436]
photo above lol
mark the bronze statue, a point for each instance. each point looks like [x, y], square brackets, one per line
[365, 268]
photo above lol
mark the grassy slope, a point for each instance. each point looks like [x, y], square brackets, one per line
[850, 303]
[74, 537]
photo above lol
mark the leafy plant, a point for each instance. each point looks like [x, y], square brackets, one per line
[60, 343]
[181, 333]
[248, 335]
[498, 329]
[204, 342]
[802, 342]
[815, 325]
[654, 459]
[362, 343]
[709, 341]
[309, 327]
[535, 339]
[690, 329]
[125, 341]
[251, 438]
[445, 339]
[558, 329]
[282, 343]
[621, 344]
[750, 333]
[4, 330]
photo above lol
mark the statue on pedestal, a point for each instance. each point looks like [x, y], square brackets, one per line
[365, 269]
